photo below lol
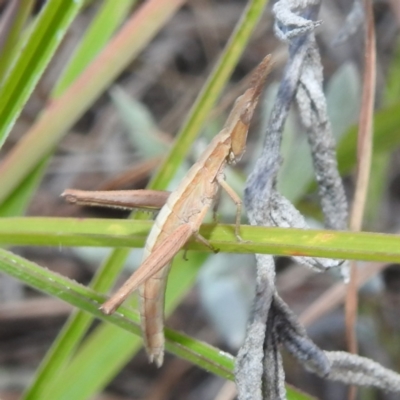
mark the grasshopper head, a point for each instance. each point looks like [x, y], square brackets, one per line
[240, 117]
[245, 106]
[239, 134]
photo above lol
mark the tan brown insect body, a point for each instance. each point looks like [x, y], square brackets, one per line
[181, 216]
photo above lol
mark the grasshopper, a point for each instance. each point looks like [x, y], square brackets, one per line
[181, 216]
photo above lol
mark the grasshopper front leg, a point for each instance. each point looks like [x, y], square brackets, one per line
[238, 202]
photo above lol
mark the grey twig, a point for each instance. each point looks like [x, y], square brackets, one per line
[289, 24]
[294, 337]
[313, 111]
[355, 370]
[250, 360]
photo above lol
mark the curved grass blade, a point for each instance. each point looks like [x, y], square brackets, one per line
[107, 20]
[90, 361]
[210, 93]
[199, 353]
[69, 338]
[41, 44]
[23, 9]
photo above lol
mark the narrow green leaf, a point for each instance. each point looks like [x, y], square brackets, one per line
[86, 374]
[106, 21]
[6, 57]
[18, 201]
[386, 137]
[133, 233]
[376, 189]
[380, 159]
[86, 299]
[201, 354]
[69, 338]
[210, 93]
[392, 91]
[41, 44]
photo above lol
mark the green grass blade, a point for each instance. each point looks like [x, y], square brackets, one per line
[67, 290]
[380, 160]
[69, 338]
[62, 348]
[90, 362]
[41, 44]
[7, 53]
[87, 371]
[376, 189]
[392, 90]
[201, 354]
[210, 93]
[18, 201]
[386, 137]
[108, 18]
[133, 233]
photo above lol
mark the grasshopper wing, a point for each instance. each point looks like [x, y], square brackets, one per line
[158, 258]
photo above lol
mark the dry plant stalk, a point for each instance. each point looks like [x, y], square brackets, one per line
[180, 218]
[364, 155]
